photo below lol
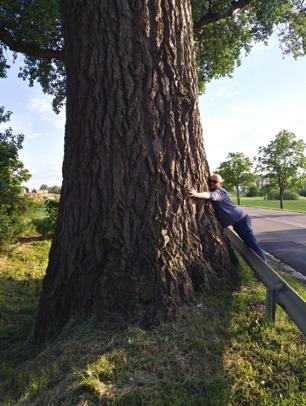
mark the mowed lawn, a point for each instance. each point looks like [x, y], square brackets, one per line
[289, 205]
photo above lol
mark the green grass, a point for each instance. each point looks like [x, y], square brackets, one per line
[289, 205]
[295, 284]
[21, 271]
[40, 223]
[218, 352]
[30, 220]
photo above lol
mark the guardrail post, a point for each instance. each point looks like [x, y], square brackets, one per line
[270, 305]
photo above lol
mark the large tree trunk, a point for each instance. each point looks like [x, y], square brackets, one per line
[128, 240]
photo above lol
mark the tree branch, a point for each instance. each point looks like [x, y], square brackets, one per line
[212, 17]
[28, 48]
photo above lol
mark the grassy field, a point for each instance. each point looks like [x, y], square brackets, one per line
[290, 205]
[218, 352]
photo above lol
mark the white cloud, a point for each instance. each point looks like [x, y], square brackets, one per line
[245, 127]
[33, 136]
[20, 125]
[42, 106]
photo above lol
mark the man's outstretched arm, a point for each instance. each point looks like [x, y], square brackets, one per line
[198, 195]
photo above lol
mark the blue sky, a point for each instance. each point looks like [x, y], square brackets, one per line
[266, 95]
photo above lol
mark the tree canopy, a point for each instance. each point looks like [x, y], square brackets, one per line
[223, 29]
[236, 171]
[12, 175]
[281, 160]
[12, 171]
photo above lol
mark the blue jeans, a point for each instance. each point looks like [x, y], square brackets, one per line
[244, 229]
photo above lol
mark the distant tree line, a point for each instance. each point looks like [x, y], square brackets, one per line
[278, 172]
[51, 189]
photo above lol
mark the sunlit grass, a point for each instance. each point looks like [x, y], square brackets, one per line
[289, 205]
[21, 271]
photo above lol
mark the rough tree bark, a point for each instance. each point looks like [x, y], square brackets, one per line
[128, 240]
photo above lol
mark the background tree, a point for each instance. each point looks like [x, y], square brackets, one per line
[127, 240]
[236, 172]
[43, 187]
[281, 161]
[54, 189]
[301, 184]
[12, 174]
[253, 191]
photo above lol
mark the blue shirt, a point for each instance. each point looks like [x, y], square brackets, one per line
[227, 212]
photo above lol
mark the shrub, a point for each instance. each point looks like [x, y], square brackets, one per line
[46, 225]
[273, 195]
[288, 195]
[52, 210]
[14, 219]
[302, 192]
[252, 192]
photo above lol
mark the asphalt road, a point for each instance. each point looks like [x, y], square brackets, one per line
[282, 234]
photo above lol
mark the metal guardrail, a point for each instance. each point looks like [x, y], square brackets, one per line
[278, 290]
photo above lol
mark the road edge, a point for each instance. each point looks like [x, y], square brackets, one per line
[275, 262]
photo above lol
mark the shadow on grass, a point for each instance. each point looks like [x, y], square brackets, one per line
[18, 303]
[176, 363]
[31, 238]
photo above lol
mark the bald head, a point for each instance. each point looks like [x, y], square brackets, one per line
[217, 176]
[215, 181]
